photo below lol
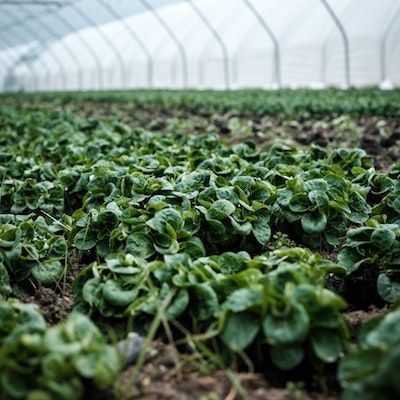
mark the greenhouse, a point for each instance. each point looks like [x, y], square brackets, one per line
[199, 199]
[89, 44]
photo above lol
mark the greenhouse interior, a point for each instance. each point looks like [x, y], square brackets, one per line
[199, 199]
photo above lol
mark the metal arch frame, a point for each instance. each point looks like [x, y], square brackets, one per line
[47, 11]
[110, 44]
[85, 44]
[23, 21]
[74, 58]
[274, 40]
[136, 38]
[324, 52]
[71, 4]
[42, 42]
[345, 39]
[383, 44]
[18, 56]
[31, 3]
[17, 60]
[66, 48]
[218, 38]
[174, 38]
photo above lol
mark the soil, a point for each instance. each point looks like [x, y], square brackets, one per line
[359, 289]
[55, 304]
[162, 378]
[357, 318]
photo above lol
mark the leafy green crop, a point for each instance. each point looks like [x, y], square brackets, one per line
[280, 293]
[40, 362]
[323, 208]
[149, 218]
[376, 245]
[287, 102]
[31, 249]
[371, 370]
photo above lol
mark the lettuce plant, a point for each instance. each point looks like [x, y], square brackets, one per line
[31, 249]
[370, 371]
[322, 208]
[377, 245]
[388, 208]
[288, 312]
[280, 293]
[41, 362]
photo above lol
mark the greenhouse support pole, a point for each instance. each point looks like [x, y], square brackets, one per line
[273, 38]
[19, 56]
[52, 55]
[218, 38]
[109, 43]
[71, 53]
[4, 68]
[324, 53]
[345, 38]
[136, 38]
[85, 44]
[383, 44]
[174, 38]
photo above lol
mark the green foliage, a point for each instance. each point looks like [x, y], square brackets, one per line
[371, 370]
[286, 102]
[323, 207]
[377, 245]
[280, 294]
[30, 249]
[150, 217]
[288, 310]
[41, 362]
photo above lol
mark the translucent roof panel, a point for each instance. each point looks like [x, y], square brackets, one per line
[100, 44]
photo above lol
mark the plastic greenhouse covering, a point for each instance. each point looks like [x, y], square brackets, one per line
[103, 44]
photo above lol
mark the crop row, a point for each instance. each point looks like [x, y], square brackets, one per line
[286, 102]
[206, 232]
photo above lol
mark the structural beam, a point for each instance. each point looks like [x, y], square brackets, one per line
[218, 38]
[383, 44]
[106, 39]
[272, 37]
[146, 4]
[136, 38]
[345, 39]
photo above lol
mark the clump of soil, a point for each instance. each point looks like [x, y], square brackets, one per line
[55, 303]
[54, 306]
[357, 318]
[164, 378]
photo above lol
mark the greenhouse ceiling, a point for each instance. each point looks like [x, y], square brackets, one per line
[52, 19]
[101, 44]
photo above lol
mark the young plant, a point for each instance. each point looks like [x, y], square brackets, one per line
[374, 246]
[321, 209]
[30, 249]
[58, 362]
[370, 371]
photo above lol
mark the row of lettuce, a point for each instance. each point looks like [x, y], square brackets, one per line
[189, 225]
[285, 102]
